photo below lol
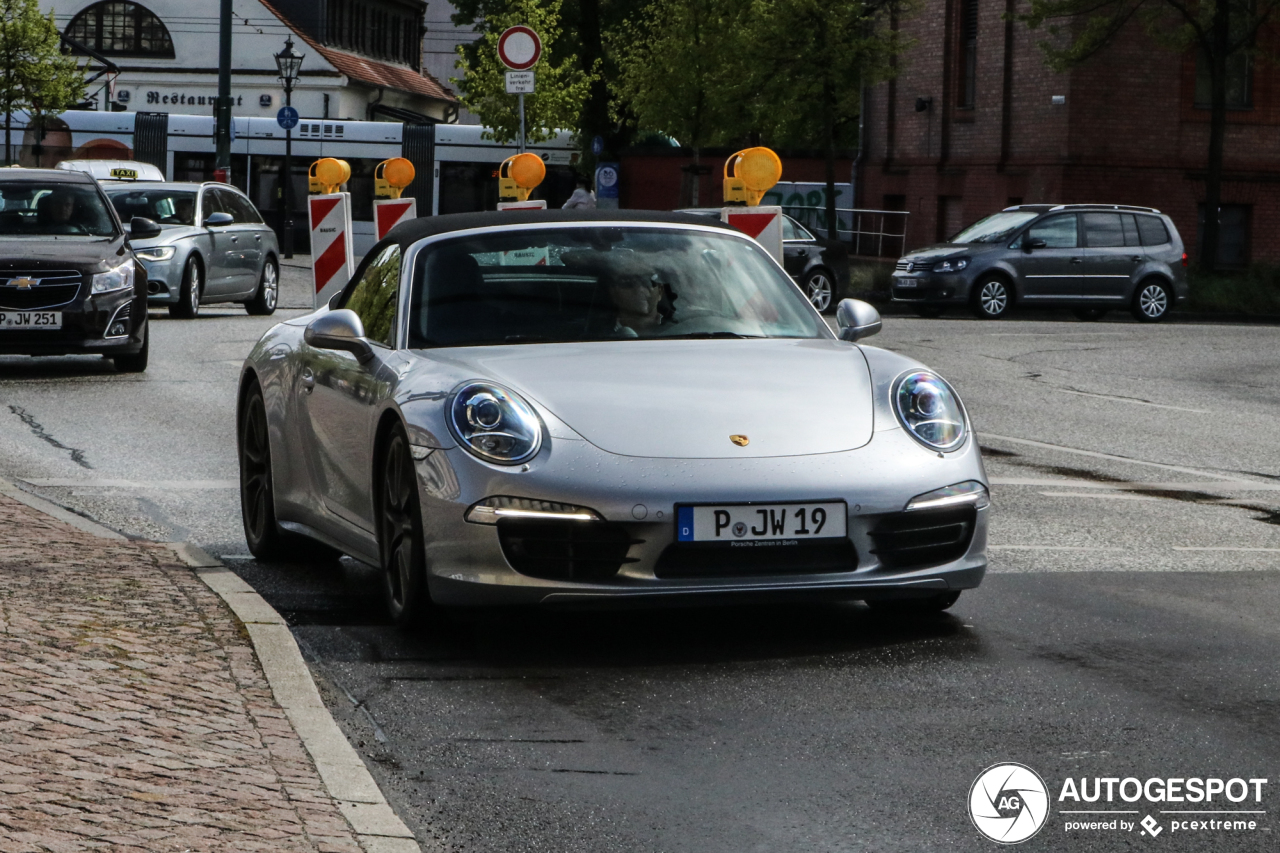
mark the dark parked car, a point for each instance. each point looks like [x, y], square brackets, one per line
[1089, 257]
[818, 265]
[69, 282]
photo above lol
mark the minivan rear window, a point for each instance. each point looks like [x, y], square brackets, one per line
[1152, 230]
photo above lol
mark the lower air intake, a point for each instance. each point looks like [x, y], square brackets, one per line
[565, 550]
[917, 540]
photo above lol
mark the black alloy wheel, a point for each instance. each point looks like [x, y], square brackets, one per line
[1152, 301]
[264, 301]
[400, 544]
[909, 607]
[135, 362]
[257, 493]
[929, 312]
[991, 298]
[819, 287]
[1090, 315]
[188, 304]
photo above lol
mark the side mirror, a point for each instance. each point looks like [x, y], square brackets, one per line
[213, 220]
[141, 228]
[857, 320]
[1030, 243]
[340, 330]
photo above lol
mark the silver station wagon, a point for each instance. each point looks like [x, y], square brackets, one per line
[213, 246]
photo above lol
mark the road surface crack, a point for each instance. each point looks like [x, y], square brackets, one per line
[77, 456]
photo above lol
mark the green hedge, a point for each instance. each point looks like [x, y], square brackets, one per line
[1252, 291]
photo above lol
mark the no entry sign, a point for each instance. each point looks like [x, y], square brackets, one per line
[519, 48]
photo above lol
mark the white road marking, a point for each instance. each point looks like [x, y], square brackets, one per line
[1227, 548]
[1116, 496]
[1198, 472]
[1180, 486]
[1051, 548]
[1114, 399]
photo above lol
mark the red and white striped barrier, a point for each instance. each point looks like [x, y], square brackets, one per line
[537, 204]
[332, 254]
[763, 223]
[390, 212]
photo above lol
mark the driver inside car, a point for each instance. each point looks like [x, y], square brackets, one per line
[56, 210]
[637, 299]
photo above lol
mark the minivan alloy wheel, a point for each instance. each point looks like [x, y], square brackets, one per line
[992, 300]
[1153, 301]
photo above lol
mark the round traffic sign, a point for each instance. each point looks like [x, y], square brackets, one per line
[287, 118]
[519, 48]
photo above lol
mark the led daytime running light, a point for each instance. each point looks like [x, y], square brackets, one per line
[969, 492]
[491, 510]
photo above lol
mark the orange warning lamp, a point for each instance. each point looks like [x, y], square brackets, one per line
[749, 174]
[518, 175]
[390, 177]
[327, 175]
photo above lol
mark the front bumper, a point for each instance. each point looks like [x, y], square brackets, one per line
[467, 564]
[85, 328]
[931, 288]
[164, 280]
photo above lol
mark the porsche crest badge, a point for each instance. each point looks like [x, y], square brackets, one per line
[740, 440]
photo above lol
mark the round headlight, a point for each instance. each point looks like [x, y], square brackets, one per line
[930, 410]
[495, 424]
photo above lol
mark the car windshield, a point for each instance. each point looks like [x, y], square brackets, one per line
[594, 283]
[167, 207]
[995, 228]
[53, 209]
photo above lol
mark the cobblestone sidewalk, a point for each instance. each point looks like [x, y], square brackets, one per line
[134, 715]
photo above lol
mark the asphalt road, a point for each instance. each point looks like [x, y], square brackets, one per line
[1126, 628]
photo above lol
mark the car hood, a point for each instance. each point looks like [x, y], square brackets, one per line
[942, 251]
[84, 255]
[684, 399]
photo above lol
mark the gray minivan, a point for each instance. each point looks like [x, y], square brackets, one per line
[1089, 257]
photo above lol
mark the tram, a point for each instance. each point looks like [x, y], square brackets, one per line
[457, 168]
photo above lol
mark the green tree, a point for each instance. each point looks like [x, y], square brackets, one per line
[1221, 31]
[683, 72]
[811, 63]
[562, 84]
[35, 76]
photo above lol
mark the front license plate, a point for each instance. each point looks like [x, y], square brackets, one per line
[762, 522]
[904, 282]
[30, 319]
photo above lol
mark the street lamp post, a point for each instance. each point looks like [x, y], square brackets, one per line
[288, 61]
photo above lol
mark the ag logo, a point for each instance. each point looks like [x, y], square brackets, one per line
[1008, 803]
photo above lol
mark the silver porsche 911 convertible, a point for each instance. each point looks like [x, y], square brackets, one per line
[605, 407]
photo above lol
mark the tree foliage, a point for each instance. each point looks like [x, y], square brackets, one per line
[1219, 30]
[35, 76]
[562, 84]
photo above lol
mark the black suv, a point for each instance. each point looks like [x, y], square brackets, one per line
[1089, 257]
[69, 282]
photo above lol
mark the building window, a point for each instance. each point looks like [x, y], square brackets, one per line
[1239, 81]
[968, 53]
[118, 28]
[1233, 234]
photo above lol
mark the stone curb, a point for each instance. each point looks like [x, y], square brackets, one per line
[377, 827]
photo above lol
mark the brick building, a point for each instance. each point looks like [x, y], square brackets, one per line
[975, 121]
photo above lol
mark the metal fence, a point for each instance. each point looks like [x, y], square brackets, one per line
[871, 233]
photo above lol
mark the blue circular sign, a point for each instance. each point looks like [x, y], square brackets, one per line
[287, 118]
[597, 145]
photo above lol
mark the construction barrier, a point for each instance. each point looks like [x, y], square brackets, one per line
[390, 212]
[332, 253]
[763, 223]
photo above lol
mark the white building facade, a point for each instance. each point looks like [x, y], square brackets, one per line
[363, 57]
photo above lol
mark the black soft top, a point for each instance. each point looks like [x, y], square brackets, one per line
[430, 226]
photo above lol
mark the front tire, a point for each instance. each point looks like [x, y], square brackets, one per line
[188, 305]
[257, 491]
[992, 298]
[819, 286]
[135, 362]
[400, 544]
[264, 301]
[1152, 301]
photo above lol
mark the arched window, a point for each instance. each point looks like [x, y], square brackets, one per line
[118, 28]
